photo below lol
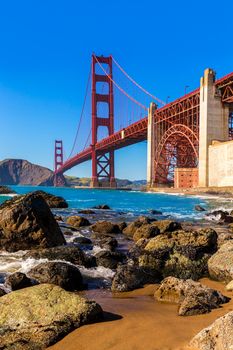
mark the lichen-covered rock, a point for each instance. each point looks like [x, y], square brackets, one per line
[218, 336]
[62, 274]
[77, 221]
[167, 225]
[52, 200]
[109, 259]
[72, 254]
[26, 222]
[146, 231]
[220, 265]
[133, 226]
[105, 227]
[18, 280]
[39, 316]
[193, 297]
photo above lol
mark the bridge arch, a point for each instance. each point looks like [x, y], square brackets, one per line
[178, 147]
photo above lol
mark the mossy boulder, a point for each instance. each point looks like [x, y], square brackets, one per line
[105, 227]
[39, 316]
[77, 221]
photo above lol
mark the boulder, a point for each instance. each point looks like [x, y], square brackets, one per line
[108, 243]
[183, 254]
[6, 190]
[133, 226]
[62, 274]
[26, 222]
[128, 278]
[77, 221]
[109, 259]
[105, 227]
[167, 225]
[220, 264]
[72, 254]
[155, 212]
[221, 215]
[192, 297]
[146, 231]
[102, 206]
[199, 208]
[39, 316]
[18, 280]
[52, 200]
[218, 336]
[82, 240]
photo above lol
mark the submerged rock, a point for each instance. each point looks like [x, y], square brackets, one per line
[82, 240]
[155, 212]
[62, 274]
[102, 206]
[108, 243]
[26, 222]
[199, 208]
[218, 336]
[39, 316]
[86, 211]
[72, 254]
[193, 297]
[18, 280]
[77, 221]
[220, 264]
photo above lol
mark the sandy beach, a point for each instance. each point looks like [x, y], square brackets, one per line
[135, 321]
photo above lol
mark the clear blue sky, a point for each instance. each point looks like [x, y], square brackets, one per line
[45, 51]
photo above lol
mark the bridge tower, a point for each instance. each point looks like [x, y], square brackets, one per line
[102, 162]
[58, 162]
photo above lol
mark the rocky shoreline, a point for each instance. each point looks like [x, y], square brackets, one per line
[67, 249]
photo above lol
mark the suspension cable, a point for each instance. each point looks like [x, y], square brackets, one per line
[118, 86]
[81, 116]
[139, 86]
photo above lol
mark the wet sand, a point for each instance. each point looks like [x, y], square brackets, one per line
[135, 321]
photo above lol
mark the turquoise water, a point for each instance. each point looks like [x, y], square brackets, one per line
[131, 202]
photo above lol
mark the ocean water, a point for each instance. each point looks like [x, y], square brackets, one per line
[131, 202]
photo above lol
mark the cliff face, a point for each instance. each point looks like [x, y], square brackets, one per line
[22, 172]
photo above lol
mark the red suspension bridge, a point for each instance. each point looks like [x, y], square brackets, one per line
[118, 117]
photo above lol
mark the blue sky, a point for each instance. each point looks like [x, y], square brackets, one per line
[45, 52]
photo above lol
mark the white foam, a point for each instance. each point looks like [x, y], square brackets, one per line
[97, 272]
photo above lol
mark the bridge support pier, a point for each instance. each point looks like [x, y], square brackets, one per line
[214, 117]
[150, 144]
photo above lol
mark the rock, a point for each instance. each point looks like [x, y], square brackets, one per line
[58, 218]
[52, 200]
[26, 222]
[220, 264]
[82, 240]
[86, 211]
[155, 212]
[102, 206]
[2, 292]
[77, 221]
[167, 225]
[6, 190]
[128, 278]
[39, 316]
[122, 225]
[193, 297]
[219, 215]
[133, 226]
[62, 274]
[105, 227]
[229, 286]
[18, 280]
[184, 254]
[109, 259]
[199, 208]
[108, 243]
[218, 336]
[146, 231]
[72, 254]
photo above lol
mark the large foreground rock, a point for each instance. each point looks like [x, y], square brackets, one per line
[220, 265]
[26, 222]
[39, 316]
[52, 200]
[218, 336]
[62, 274]
[193, 297]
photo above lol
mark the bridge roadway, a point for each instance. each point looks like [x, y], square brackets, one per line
[137, 131]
